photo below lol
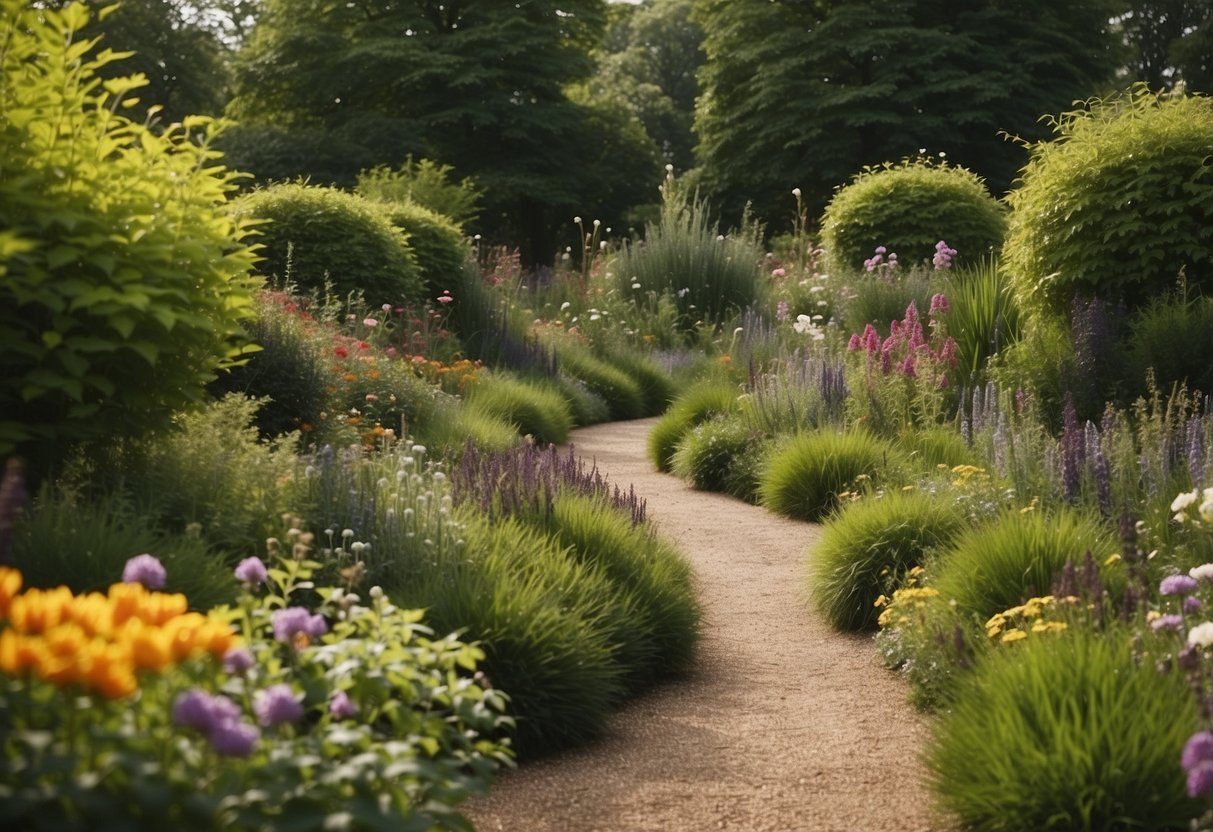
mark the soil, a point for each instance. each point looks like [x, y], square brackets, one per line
[783, 724]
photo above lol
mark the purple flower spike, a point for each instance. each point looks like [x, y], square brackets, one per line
[234, 739]
[341, 707]
[276, 704]
[251, 571]
[146, 570]
[1177, 585]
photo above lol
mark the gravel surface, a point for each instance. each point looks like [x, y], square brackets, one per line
[784, 724]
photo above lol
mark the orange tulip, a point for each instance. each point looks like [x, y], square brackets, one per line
[37, 610]
[10, 585]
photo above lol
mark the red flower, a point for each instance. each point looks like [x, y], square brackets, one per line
[341, 352]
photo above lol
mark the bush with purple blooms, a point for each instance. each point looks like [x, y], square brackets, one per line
[352, 716]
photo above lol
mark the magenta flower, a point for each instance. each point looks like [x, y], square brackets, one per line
[871, 339]
[292, 621]
[906, 367]
[854, 345]
[251, 572]
[939, 304]
[1198, 749]
[276, 704]
[1177, 585]
[778, 273]
[146, 570]
[943, 255]
[341, 707]
[445, 297]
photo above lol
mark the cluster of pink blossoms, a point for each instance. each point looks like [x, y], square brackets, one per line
[907, 347]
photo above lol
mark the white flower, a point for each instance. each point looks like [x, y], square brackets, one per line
[1183, 500]
[1201, 635]
[635, 285]
[577, 220]
[1204, 572]
[796, 192]
[565, 305]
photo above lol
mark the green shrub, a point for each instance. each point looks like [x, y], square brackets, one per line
[289, 373]
[708, 452]
[983, 316]
[649, 573]
[997, 565]
[1173, 336]
[83, 543]
[878, 302]
[744, 477]
[623, 395]
[908, 208]
[436, 242]
[1116, 205]
[1065, 732]
[545, 625]
[697, 404]
[125, 277]
[424, 183]
[804, 477]
[866, 550]
[710, 277]
[318, 237]
[538, 411]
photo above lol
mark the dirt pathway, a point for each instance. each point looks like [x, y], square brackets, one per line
[784, 725]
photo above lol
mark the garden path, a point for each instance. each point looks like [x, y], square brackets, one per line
[783, 725]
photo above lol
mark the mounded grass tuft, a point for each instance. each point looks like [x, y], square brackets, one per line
[867, 549]
[447, 429]
[657, 388]
[931, 447]
[1064, 732]
[803, 477]
[622, 394]
[537, 410]
[697, 404]
[997, 565]
[708, 452]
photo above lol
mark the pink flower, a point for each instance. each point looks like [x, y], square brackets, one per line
[906, 367]
[778, 273]
[445, 297]
[939, 304]
[855, 344]
[871, 339]
[370, 323]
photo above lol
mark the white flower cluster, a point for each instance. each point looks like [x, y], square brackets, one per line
[1187, 499]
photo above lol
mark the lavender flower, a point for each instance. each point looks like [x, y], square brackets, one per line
[1192, 604]
[146, 570]
[238, 661]
[943, 255]
[197, 709]
[341, 707]
[1167, 622]
[276, 704]
[292, 621]
[1177, 585]
[1197, 760]
[251, 572]
[233, 738]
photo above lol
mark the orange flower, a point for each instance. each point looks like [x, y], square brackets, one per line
[183, 632]
[126, 601]
[37, 610]
[10, 585]
[160, 607]
[109, 672]
[150, 647]
[18, 653]
[93, 612]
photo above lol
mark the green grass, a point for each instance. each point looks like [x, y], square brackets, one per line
[657, 388]
[697, 404]
[802, 478]
[997, 565]
[983, 317]
[622, 394]
[708, 452]
[448, 428]
[932, 447]
[867, 549]
[537, 411]
[1065, 732]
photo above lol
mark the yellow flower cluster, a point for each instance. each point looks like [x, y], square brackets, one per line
[1009, 625]
[963, 474]
[101, 641]
[908, 599]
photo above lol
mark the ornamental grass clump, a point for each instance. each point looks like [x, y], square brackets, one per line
[707, 454]
[1067, 732]
[804, 476]
[623, 394]
[1015, 555]
[696, 404]
[869, 547]
[538, 411]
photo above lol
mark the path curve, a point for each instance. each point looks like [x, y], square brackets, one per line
[783, 725]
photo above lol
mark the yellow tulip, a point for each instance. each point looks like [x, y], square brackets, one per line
[10, 585]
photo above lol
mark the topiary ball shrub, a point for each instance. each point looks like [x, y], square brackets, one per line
[708, 452]
[1116, 205]
[698, 403]
[997, 565]
[867, 549]
[437, 244]
[316, 236]
[803, 478]
[1063, 732]
[539, 412]
[908, 208]
[124, 277]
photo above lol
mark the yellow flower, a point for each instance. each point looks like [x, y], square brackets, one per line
[881, 601]
[1013, 634]
[10, 585]
[109, 671]
[151, 648]
[1111, 559]
[1153, 615]
[37, 610]
[915, 572]
[1043, 626]
[18, 653]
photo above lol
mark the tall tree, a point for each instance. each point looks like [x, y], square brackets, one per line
[1170, 42]
[804, 93]
[477, 84]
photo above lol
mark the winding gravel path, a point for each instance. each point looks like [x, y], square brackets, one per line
[783, 725]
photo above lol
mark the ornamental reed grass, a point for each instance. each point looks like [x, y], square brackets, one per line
[538, 411]
[804, 476]
[697, 403]
[1066, 732]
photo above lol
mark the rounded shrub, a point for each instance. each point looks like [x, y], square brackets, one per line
[1173, 336]
[537, 411]
[697, 404]
[999, 564]
[124, 277]
[1116, 205]
[426, 183]
[744, 477]
[803, 477]
[588, 407]
[708, 452]
[1065, 732]
[623, 395]
[436, 242]
[908, 208]
[867, 549]
[318, 235]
